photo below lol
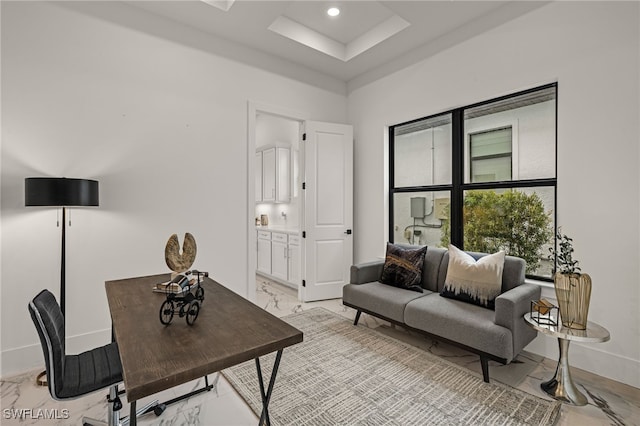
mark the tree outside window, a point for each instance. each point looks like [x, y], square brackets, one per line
[512, 221]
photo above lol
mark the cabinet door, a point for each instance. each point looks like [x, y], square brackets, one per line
[283, 184]
[258, 176]
[269, 175]
[279, 259]
[264, 256]
[294, 265]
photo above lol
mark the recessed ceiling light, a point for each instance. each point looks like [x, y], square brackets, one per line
[333, 11]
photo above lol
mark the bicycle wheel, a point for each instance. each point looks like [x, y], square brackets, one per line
[192, 313]
[166, 312]
[200, 293]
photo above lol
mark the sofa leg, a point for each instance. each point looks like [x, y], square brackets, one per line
[355, 322]
[484, 362]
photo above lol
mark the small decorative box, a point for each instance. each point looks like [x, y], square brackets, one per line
[544, 312]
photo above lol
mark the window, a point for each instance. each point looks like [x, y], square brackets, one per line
[481, 177]
[490, 153]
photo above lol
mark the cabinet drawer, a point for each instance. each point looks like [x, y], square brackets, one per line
[279, 237]
[294, 240]
[264, 235]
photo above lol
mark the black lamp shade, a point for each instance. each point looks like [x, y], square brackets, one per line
[43, 191]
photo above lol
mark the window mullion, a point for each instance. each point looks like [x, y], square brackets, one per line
[391, 179]
[457, 178]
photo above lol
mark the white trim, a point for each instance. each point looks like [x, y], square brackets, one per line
[590, 357]
[594, 358]
[30, 357]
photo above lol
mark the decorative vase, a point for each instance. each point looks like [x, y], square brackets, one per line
[573, 292]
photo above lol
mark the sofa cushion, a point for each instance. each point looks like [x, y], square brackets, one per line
[460, 322]
[474, 281]
[431, 268]
[513, 273]
[382, 299]
[403, 267]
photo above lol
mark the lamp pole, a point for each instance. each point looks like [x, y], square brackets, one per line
[60, 192]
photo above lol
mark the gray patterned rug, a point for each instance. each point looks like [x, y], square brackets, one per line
[346, 375]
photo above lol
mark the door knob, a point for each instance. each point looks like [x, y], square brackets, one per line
[348, 232]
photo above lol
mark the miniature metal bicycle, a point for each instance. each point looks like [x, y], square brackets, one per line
[186, 300]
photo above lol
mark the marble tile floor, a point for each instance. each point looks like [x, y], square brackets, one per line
[610, 403]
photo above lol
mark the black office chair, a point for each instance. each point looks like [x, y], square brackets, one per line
[72, 376]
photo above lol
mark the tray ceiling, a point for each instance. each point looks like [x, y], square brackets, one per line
[361, 43]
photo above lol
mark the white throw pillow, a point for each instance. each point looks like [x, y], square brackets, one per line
[478, 282]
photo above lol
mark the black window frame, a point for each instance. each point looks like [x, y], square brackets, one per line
[457, 187]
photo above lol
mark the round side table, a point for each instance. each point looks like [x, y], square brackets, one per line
[561, 386]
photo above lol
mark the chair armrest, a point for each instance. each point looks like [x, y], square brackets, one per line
[366, 272]
[510, 309]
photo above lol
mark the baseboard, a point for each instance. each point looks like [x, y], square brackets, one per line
[277, 280]
[584, 356]
[26, 358]
[591, 358]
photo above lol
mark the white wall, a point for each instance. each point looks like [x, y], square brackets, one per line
[592, 50]
[91, 90]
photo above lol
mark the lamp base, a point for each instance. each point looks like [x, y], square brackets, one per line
[41, 379]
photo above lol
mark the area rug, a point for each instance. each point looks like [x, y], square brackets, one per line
[346, 375]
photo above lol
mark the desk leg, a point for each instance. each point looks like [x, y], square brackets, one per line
[133, 418]
[264, 416]
[561, 386]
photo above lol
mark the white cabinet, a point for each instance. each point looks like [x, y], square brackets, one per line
[279, 266]
[276, 175]
[279, 257]
[269, 175]
[264, 252]
[283, 173]
[293, 254]
[259, 176]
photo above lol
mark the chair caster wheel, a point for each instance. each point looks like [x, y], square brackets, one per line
[159, 409]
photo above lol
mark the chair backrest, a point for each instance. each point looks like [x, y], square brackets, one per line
[49, 321]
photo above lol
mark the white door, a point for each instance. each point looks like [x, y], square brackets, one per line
[328, 210]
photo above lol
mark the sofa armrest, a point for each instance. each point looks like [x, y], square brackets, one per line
[366, 272]
[510, 309]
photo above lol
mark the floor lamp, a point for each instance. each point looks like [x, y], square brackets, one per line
[60, 192]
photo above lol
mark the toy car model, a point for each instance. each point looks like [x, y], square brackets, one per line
[186, 297]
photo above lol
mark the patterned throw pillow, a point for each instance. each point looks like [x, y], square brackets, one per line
[403, 267]
[478, 282]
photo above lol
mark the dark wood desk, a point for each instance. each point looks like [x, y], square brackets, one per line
[228, 331]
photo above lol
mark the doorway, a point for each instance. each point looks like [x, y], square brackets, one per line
[274, 201]
[300, 203]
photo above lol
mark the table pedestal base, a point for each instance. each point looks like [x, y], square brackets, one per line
[561, 386]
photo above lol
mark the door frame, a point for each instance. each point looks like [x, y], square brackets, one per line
[253, 109]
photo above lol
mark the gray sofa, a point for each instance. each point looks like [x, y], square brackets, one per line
[497, 335]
